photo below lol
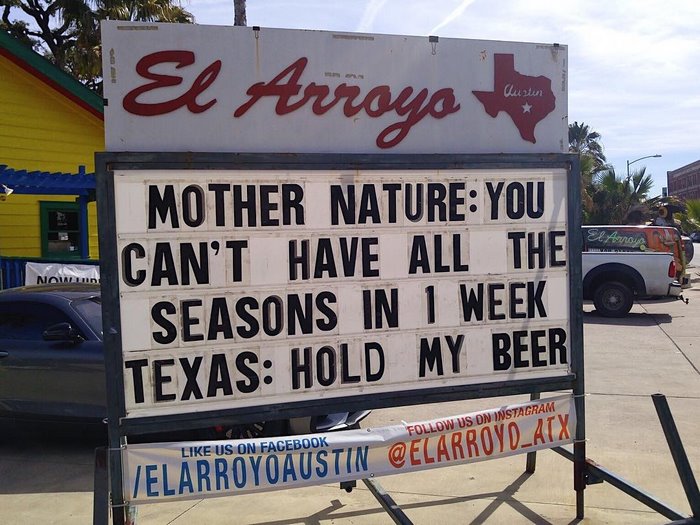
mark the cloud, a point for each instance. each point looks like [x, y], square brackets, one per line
[370, 14]
[632, 63]
[454, 15]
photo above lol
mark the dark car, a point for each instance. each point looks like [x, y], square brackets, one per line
[52, 363]
[695, 236]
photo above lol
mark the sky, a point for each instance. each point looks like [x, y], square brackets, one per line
[634, 65]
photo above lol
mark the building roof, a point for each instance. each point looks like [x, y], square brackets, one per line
[45, 183]
[688, 168]
[51, 75]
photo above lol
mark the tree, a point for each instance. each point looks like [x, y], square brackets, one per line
[617, 200]
[592, 161]
[239, 16]
[692, 212]
[67, 32]
[689, 217]
[586, 142]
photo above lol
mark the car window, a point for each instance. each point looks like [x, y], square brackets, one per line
[27, 321]
[90, 310]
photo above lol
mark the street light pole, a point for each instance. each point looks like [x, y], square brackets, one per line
[636, 160]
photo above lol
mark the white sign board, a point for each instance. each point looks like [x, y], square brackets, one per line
[42, 273]
[250, 288]
[201, 469]
[181, 87]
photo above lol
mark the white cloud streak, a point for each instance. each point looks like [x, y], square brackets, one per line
[454, 15]
[369, 15]
[633, 64]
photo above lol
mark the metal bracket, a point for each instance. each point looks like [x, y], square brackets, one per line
[347, 486]
[598, 474]
[593, 479]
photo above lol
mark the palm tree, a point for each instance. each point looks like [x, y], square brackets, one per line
[584, 141]
[689, 219]
[239, 17]
[692, 207]
[615, 198]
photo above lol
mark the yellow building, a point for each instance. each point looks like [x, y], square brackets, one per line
[50, 128]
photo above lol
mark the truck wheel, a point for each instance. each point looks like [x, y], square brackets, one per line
[613, 299]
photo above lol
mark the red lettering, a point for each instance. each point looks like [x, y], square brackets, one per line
[414, 450]
[487, 441]
[500, 433]
[549, 428]
[188, 98]
[513, 435]
[539, 433]
[470, 436]
[442, 452]
[375, 104]
[564, 422]
[283, 92]
[427, 458]
[457, 449]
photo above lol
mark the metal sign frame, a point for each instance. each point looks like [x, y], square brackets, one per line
[120, 427]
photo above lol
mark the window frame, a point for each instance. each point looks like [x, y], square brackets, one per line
[46, 207]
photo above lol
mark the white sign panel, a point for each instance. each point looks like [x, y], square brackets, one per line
[42, 273]
[201, 469]
[250, 288]
[182, 87]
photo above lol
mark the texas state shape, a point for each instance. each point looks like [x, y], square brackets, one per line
[527, 100]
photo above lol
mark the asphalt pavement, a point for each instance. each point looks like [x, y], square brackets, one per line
[47, 476]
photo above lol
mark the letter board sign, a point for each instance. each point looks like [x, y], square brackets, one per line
[181, 87]
[269, 283]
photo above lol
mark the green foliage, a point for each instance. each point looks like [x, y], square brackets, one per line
[690, 219]
[606, 198]
[67, 32]
[614, 199]
[586, 142]
[693, 210]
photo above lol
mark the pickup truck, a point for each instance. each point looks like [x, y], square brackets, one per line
[613, 280]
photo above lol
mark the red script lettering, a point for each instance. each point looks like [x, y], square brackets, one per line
[376, 102]
[188, 98]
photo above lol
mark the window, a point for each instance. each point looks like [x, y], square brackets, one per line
[91, 311]
[26, 321]
[60, 230]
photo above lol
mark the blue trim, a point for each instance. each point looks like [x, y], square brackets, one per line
[84, 232]
[23, 182]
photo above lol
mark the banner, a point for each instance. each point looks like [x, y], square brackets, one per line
[42, 273]
[201, 469]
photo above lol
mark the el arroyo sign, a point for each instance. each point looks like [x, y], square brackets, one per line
[246, 90]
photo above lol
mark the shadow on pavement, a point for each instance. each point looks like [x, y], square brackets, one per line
[42, 458]
[631, 319]
[334, 512]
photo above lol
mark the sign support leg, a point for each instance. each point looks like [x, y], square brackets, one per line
[115, 479]
[576, 336]
[680, 458]
[100, 494]
[387, 502]
[531, 461]
[580, 465]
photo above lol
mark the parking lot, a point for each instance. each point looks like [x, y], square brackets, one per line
[46, 476]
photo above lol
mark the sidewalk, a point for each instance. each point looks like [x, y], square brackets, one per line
[655, 349]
